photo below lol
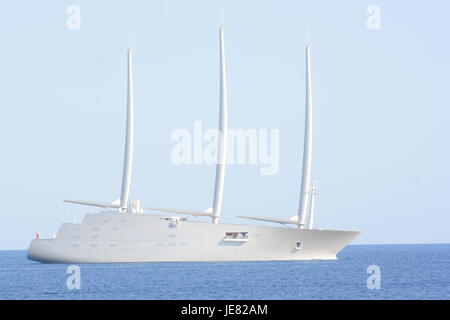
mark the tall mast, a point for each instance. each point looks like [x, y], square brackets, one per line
[216, 209]
[314, 191]
[128, 158]
[124, 204]
[307, 148]
[222, 143]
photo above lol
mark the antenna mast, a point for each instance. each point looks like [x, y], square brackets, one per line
[312, 203]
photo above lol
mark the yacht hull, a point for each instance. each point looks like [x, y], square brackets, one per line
[110, 237]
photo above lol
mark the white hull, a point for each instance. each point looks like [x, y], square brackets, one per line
[109, 237]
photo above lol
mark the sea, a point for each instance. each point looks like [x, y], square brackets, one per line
[419, 271]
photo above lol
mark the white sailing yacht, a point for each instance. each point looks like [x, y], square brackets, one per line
[124, 233]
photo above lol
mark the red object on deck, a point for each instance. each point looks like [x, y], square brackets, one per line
[37, 236]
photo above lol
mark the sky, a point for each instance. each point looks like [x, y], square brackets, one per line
[380, 101]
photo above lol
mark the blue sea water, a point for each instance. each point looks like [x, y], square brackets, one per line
[407, 272]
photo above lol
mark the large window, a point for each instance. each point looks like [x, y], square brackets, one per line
[236, 236]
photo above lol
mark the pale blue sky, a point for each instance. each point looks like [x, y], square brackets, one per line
[381, 110]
